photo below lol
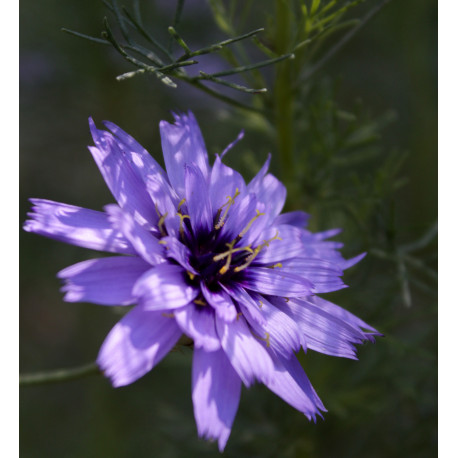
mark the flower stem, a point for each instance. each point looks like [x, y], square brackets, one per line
[60, 375]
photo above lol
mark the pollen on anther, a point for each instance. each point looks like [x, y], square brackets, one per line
[200, 302]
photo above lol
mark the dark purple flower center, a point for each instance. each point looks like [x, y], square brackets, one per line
[214, 256]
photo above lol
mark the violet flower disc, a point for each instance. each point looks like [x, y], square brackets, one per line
[200, 252]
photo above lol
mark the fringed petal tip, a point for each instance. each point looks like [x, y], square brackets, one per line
[353, 261]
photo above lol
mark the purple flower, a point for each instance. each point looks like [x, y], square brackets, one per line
[200, 252]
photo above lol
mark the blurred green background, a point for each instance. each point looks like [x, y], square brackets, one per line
[381, 406]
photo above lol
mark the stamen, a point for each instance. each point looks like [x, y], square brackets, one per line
[200, 302]
[256, 251]
[230, 201]
[252, 220]
[182, 201]
[226, 266]
[182, 218]
[260, 304]
[190, 274]
[168, 315]
[266, 339]
[160, 225]
[279, 264]
[221, 256]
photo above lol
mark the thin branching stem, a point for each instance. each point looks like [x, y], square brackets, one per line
[176, 20]
[245, 68]
[86, 37]
[212, 78]
[345, 39]
[235, 103]
[59, 375]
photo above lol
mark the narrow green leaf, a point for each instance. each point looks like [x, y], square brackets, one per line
[86, 37]
[179, 40]
[238, 87]
[314, 7]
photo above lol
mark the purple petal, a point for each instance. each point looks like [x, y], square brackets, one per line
[223, 184]
[174, 249]
[269, 190]
[232, 144]
[327, 234]
[316, 248]
[255, 184]
[215, 394]
[296, 218]
[164, 287]
[322, 331]
[285, 243]
[221, 302]
[182, 143]
[275, 282]
[122, 177]
[198, 323]
[145, 244]
[239, 216]
[136, 344]
[341, 313]
[351, 262]
[145, 165]
[310, 265]
[324, 275]
[247, 355]
[165, 201]
[292, 385]
[272, 193]
[281, 330]
[246, 303]
[198, 200]
[257, 225]
[104, 281]
[77, 226]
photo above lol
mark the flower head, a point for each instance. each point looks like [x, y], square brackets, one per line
[200, 252]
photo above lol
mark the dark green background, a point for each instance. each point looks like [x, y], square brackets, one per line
[382, 406]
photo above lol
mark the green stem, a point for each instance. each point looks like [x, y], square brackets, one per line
[60, 375]
[217, 95]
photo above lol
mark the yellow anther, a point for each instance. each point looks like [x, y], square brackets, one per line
[168, 315]
[230, 201]
[160, 225]
[260, 304]
[266, 339]
[200, 302]
[286, 299]
[256, 251]
[182, 201]
[238, 316]
[228, 254]
[252, 220]
[182, 218]
[191, 275]
[221, 256]
[226, 266]
[279, 264]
